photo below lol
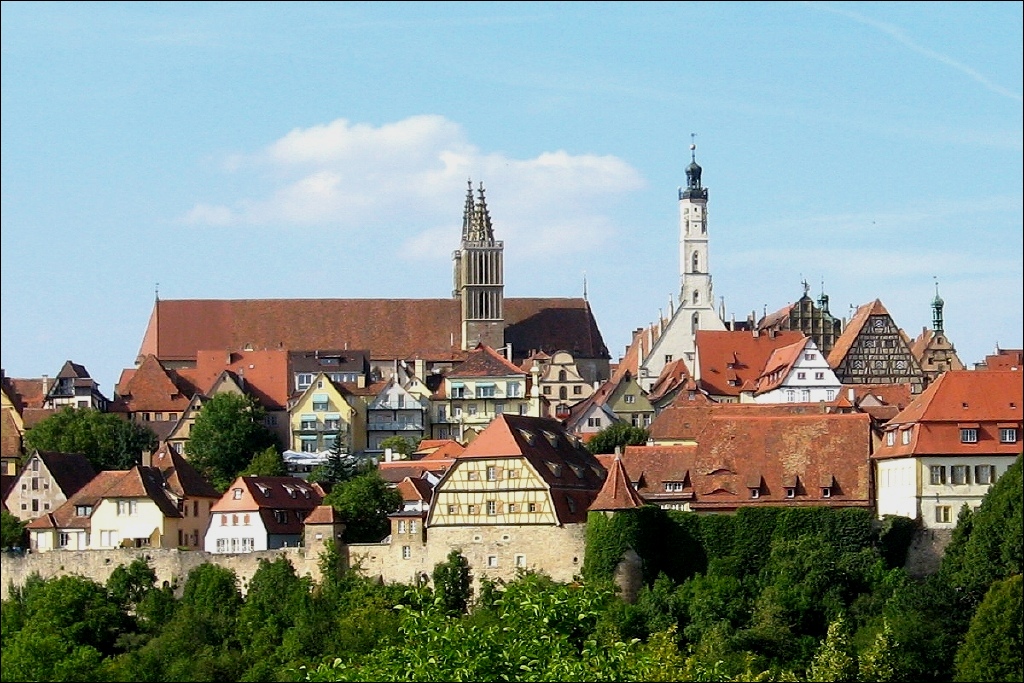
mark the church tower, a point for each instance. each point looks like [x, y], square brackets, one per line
[696, 309]
[479, 279]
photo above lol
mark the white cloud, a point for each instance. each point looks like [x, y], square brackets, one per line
[348, 176]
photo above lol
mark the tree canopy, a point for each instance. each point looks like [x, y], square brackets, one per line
[620, 434]
[364, 502]
[109, 441]
[227, 435]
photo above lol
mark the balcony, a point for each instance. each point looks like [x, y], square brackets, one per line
[394, 426]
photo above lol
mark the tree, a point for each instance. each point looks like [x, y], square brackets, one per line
[619, 434]
[12, 531]
[398, 444]
[834, 660]
[992, 650]
[227, 434]
[365, 501]
[109, 441]
[267, 463]
[453, 583]
[340, 465]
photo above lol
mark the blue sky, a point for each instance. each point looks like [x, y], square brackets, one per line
[265, 150]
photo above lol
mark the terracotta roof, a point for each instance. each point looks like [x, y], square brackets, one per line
[445, 449]
[773, 319]
[66, 515]
[986, 401]
[617, 493]
[779, 364]
[674, 377]
[261, 374]
[652, 467]
[10, 435]
[397, 470]
[271, 493]
[483, 361]
[323, 514]
[415, 489]
[684, 420]
[1005, 359]
[733, 450]
[727, 360]
[151, 388]
[26, 393]
[430, 329]
[181, 477]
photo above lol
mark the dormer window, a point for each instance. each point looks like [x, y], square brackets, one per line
[905, 434]
[890, 438]
[755, 493]
[790, 492]
[968, 435]
[1007, 435]
[673, 486]
[826, 491]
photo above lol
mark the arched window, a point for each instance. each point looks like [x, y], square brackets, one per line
[696, 297]
[694, 264]
[562, 376]
[695, 323]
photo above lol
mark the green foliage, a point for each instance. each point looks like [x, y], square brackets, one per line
[267, 463]
[12, 531]
[618, 434]
[398, 444]
[340, 466]
[994, 647]
[109, 441]
[879, 663]
[895, 537]
[835, 659]
[227, 434]
[364, 503]
[453, 582]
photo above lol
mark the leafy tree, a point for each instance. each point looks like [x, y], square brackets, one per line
[227, 434]
[835, 659]
[398, 444]
[364, 503]
[453, 582]
[879, 663]
[994, 647]
[109, 441]
[618, 434]
[267, 463]
[12, 531]
[340, 465]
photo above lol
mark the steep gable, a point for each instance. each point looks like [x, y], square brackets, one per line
[617, 493]
[874, 350]
[726, 361]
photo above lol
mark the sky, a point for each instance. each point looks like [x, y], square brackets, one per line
[322, 150]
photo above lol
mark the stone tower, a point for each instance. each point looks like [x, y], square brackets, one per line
[479, 278]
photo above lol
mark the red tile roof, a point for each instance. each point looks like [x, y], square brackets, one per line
[684, 420]
[728, 360]
[430, 329]
[779, 364]
[483, 361]
[70, 471]
[617, 493]
[415, 490]
[66, 515]
[261, 374]
[986, 401]
[151, 388]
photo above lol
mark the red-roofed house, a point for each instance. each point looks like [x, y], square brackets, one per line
[795, 373]
[46, 481]
[261, 513]
[726, 362]
[874, 350]
[515, 498]
[949, 445]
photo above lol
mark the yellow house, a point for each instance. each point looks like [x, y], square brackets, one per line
[164, 505]
[323, 412]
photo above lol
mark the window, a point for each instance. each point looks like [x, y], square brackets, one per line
[905, 434]
[458, 392]
[577, 390]
[826, 491]
[984, 474]
[401, 526]
[890, 438]
[938, 474]
[959, 475]
[492, 561]
[473, 475]
[471, 409]
[492, 507]
[790, 396]
[452, 509]
[64, 540]
[546, 390]
[673, 486]
[801, 375]
[809, 356]
[668, 358]
[819, 375]
[1007, 435]
[236, 493]
[805, 395]
[281, 516]
[485, 391]
[406, 552]
[520, 560]
[593, 422]
[492, 473]
[246, 520]
[969, 435]
[629, 398]
[531, 507]
[943, 514]
[790, 492]
[514, 389]
[303, 380]
[472, 509]
[414, 526]
[755, 493]
[308, 423]
[499, 408]
[512, 507]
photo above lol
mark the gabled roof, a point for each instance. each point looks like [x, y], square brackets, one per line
[674, 377]
[652, 467]
[430, 329]
[986, 401]
[10, 435]
[617, 493]
[483, 361]
[269, 493]
[151, 388]
[853, 329]
[143, 482]
[684, 420]
[66, 515]
[323, 514]
[70, 471]
[181, 477]
[261, 374]
[728, 360]
[415, 489]
[780, 363]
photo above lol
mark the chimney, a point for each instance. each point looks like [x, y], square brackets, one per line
[850, 395]
[389, 455]
[46, 384]
[420, 369]
[361, 381]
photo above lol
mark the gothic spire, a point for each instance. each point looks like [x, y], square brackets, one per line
[467, 212]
